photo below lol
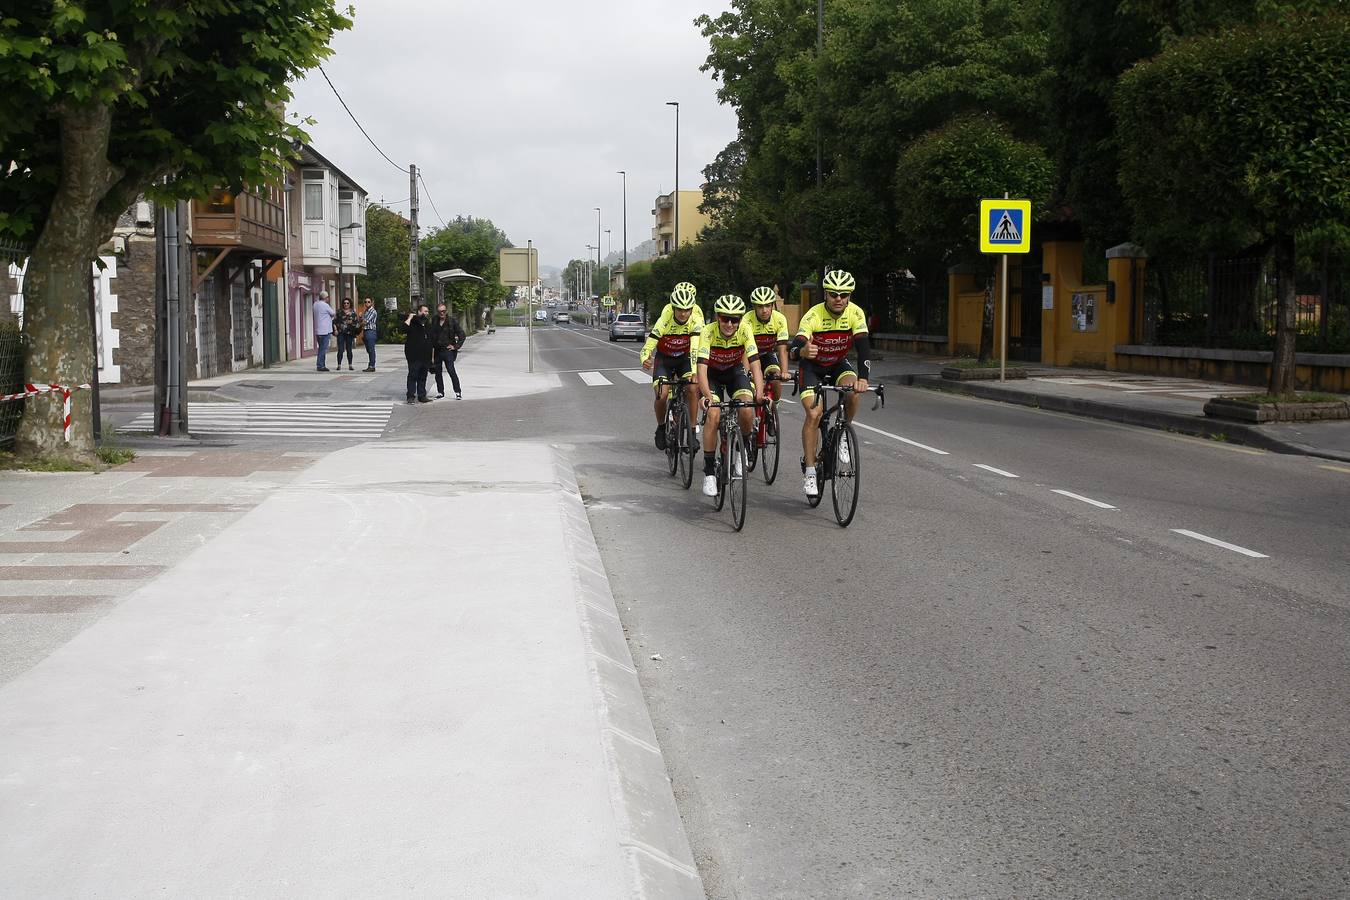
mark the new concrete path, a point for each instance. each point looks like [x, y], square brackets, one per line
[401, 673]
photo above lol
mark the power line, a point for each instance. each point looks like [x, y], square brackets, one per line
[432, 202]
[358, 124]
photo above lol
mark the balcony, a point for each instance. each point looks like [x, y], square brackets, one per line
[253, 222]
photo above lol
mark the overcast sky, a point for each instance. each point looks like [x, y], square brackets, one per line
[526, 111]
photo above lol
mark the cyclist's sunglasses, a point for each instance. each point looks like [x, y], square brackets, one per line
[835, 295]
[728, 319]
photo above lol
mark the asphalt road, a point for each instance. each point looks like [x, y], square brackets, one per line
[1056, 684]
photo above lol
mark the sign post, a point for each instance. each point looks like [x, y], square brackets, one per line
[519, 267]
[1005, 227]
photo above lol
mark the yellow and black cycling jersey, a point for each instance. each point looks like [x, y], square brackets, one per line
[721, 352]
[768, 335]
[670, 337]
[833, 335]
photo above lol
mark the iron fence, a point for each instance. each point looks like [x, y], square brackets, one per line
[910, 305]
[1231, 304]
[12, 259]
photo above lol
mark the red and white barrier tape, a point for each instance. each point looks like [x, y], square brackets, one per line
[32, 390]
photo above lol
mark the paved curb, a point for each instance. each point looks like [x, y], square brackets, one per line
[654, 845]
[1163, 421]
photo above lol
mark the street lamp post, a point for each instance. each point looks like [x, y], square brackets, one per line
[341, 288]
[675, 196]
[597, 241]
[625, 229]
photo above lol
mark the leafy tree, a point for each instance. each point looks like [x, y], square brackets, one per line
[472, 245]
[104, 101]
[387, 245]
[1242, 137]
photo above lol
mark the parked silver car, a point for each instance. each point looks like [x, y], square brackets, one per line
[627, 325]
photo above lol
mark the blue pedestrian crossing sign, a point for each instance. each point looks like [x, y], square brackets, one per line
[1005, 226]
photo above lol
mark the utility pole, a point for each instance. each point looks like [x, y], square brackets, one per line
[625, 230]
[820, 152]
[414, 254]
[675, 195]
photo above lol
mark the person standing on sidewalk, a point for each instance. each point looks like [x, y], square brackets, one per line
[323, 328]
[370, 326]
[348, 327]
[417, 350]
[448, 337]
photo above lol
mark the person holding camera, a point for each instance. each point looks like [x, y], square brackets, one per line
[418, 348]
[348, 326]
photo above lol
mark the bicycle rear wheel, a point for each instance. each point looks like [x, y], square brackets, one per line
[769, 455]
[737, 484]
[845, 481]
[684, 433]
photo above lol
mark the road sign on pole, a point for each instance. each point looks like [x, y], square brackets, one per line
[1005, 227]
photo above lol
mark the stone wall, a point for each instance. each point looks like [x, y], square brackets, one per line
[134, 319]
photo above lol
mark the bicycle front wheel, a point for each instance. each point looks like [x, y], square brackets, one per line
[845, 481]
[739, 474]
[672, 444]
[684, 442]
[769, 455]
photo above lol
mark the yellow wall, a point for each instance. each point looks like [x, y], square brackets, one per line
[1061, 345]
[692, 222]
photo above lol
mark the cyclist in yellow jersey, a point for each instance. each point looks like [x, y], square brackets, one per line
[670, 351]
[825, 335]
[725, 348]
[770, 328]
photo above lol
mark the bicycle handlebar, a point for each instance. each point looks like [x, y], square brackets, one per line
[879, 390]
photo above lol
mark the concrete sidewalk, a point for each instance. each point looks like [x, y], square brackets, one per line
[1169, 404]
[401, 672]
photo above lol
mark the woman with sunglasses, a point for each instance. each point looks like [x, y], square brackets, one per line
[825, 335]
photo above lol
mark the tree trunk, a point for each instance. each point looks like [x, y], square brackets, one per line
[1286, 319]
[59, 343]
[987, 323]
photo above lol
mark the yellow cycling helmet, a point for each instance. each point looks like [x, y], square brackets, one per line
[839, 282]
[729, 305]
[763, 296]
[683, 296]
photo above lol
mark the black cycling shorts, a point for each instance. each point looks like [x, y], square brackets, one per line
[812, 374]
[733, 382]
[664, 366]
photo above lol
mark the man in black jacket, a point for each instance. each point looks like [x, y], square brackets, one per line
[417, 350]
[448, 337]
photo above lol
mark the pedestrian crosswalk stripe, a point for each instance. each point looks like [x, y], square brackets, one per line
[637, 375]
[594, 379]
[317, 420]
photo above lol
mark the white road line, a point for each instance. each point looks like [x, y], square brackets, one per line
[995, 471]
[1218, 543]
[903, 440]
[613, 345]
[594, 379]
[637, 376]
[1097, 503]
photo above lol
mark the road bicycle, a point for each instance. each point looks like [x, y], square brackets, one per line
[680, 442]
[838, 458]
[764, 444]
[731, 467]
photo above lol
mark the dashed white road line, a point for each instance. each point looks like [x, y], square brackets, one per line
[636, 375]
[1218, 543]
[903, 440]
[594, 379]
[995, 471]
[1097, 503]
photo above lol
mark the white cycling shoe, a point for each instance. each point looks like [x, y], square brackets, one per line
[710, 485]
[810, 487]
